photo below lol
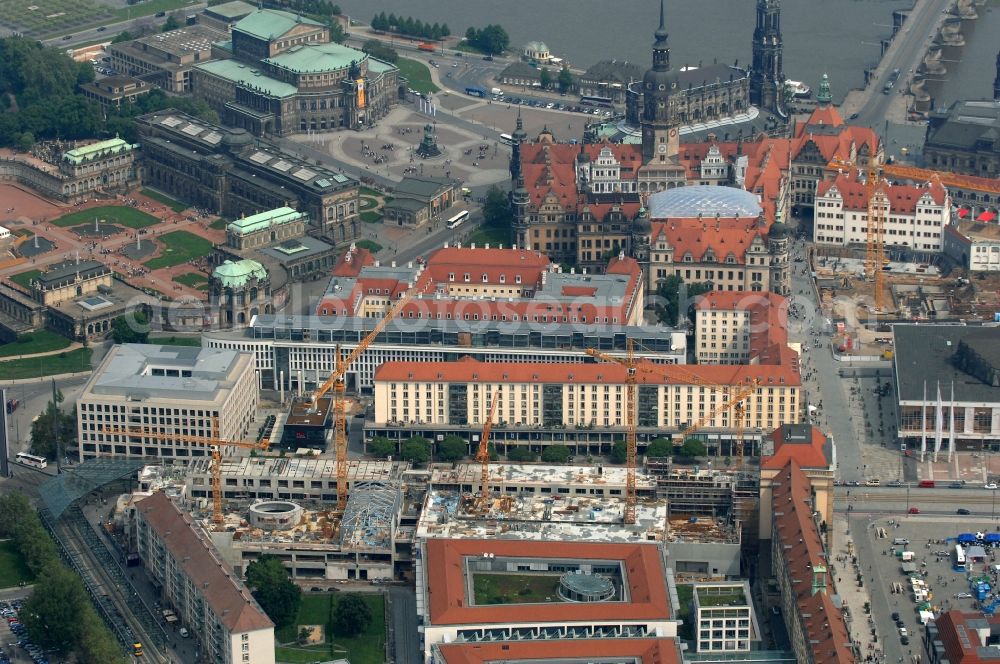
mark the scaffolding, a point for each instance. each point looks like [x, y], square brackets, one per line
[370, 518]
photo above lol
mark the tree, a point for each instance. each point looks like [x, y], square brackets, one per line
[556, 454]
[274, 591]
[52, 430]
[545, 78]
[491, 450]
[565, 79]
[452, 448]
[352, 616]
[380, 23]
[661, 447]
[675, 295]
[693, 447]
[496, 210]
[520, 454]
[381, 447]
[445, 31]
[304, 634]
[123, 36]
[53, 609]
[619, 452]
[377, 49]
[337, 32]
[170, 24]
[25, 141]
[130, 328]
[416, 450]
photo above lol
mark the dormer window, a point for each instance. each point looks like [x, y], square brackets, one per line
[451, 276]
[517, 279]
[503, 278]
[486, 278]
[468, 277]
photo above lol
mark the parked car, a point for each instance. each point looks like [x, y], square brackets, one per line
[895, 615]
[914, 510]
[963, 595]
[905, 640]
[962, 510]
[991, 486]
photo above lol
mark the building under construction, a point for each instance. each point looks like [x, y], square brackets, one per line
[283, 507]
[575, 504]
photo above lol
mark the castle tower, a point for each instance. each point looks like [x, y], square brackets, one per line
[517, 138]
[767, 76]
[824, 96]
[660, 138]
[519, 202]
[996, 81]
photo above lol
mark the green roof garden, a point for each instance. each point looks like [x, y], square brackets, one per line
[115, 145]
[234, 71]
[264, 220]
[269, 23]
[720, 595]
[317, 58]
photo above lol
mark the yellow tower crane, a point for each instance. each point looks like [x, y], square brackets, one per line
[483, 457]
[337, 382]
[213, 442]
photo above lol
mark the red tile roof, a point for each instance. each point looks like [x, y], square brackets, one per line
[903, 198]
[351, 262]
[825, 115]
[809, 454]
[723, 236]
[447, 583]
[802, 554]
[230, 601]
[468, 370]
[644, 651]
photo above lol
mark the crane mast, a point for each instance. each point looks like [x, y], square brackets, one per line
[483, 456]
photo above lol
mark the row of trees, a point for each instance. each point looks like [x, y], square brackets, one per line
[58, 613]
[492, 39]
[692, 448]
[268, 581]
[410, 27]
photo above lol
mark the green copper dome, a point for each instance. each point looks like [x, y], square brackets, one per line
[236, 274]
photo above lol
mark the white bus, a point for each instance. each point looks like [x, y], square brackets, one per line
[506, 139]
[959, 563]
[458, 219]
[31, 460]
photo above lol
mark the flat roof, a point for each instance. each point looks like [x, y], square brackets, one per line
[270, 23]
[234, 9]
[142, 371]
[924, 355]
[183, 40]
[446, 582]
[297, 249]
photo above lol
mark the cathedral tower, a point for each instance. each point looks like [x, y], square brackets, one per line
[660, 138]
[767, 76]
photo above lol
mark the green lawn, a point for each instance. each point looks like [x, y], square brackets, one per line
[491, 235]
[179, 247]
[45, 18]
[40, 341]
[112, 214]
[219, 224]
[171, 203]
[13, 570]
[24, 278]
[515, 588]
[176, 341]
[317, 609]
[370, 245]
[192, 279]
[73, 361]
[418, 75]
[368, 191]
[371, 216]
[685, 593]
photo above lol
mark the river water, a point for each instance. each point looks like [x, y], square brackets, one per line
[971, 77]
[586, 31]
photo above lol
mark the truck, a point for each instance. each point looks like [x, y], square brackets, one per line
[497, 92]
[427, 46]
[476, 91]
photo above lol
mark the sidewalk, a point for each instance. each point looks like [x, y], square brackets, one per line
[842, 574]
